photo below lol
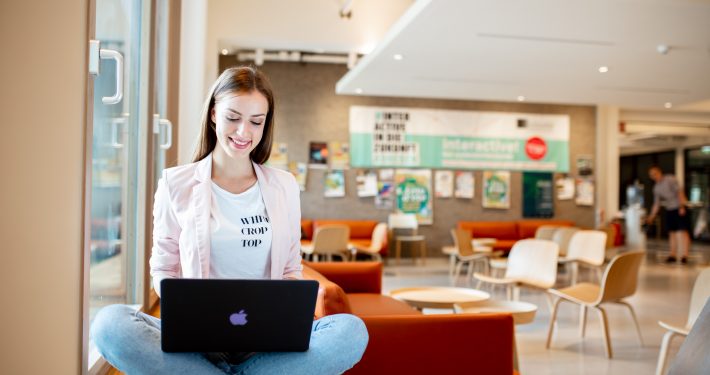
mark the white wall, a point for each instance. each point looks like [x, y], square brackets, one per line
[194, 57]
[42, 114]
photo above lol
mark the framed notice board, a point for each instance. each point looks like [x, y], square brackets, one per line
[538, 198]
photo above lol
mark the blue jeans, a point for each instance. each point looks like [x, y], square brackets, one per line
[130, 341]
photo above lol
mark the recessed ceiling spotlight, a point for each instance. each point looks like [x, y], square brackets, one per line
[521, 98]
[603, 69]
[668, 105]
[358, 90]
[398, 57]
[225, 52]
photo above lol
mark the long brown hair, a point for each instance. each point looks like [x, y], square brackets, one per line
[237, 80]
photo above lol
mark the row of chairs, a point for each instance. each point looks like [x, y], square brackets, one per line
[533, 264]
[333, 241]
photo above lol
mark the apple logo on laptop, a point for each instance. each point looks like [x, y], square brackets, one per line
[238, 319]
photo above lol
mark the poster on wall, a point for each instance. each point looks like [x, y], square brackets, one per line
[279, 156]
[384, 200]
[454, 139]
[464, 185]
[443, 184]
[300, 171]
[318, 155]
[339, 155]
[565, 188]
[413, 188]
[496, 189]
[366, 183]
[585, 192]
[585, 165]
[538, 198]
[334, 184]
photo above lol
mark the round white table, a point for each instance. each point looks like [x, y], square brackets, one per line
[438, 297]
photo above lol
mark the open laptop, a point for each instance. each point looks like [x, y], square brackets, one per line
[216, 315]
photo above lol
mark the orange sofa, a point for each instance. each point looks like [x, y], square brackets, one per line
[402, 339]
[507, 233]
[360, 231]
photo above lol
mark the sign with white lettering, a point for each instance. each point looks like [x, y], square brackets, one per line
[431, 138]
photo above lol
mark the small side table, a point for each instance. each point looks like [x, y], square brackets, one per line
[421, 240]
[438, 297]
[523, 313]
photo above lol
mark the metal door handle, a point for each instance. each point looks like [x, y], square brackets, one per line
[96, 53]
[118, 95]
[157, 122]
[115, 122]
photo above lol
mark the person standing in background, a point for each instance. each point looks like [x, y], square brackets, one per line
[668, 193]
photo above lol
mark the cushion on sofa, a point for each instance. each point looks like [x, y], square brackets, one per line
[335, 300]
[370, 304]
[358, 228]
[527, 228]
[502, 230]
[504, 245]
[306, 229]
[353, 277]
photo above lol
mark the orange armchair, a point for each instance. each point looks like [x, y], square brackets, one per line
[402, 339]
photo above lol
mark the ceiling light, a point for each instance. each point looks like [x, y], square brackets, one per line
[358, 90]
[603, 69]
[225, 52]
[521, 98]
[398, 57]
[668, 105]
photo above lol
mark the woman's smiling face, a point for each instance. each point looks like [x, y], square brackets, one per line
[239, 122]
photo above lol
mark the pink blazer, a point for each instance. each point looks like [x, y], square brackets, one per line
[181, 214]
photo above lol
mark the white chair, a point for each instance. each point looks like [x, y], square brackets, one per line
[545, 232]
[379, 239]
[698, 298]
[465, 254]
[619, 281]
[562, 237]
[407, 223]
[531, 263]
[329, 240]
[587, 248]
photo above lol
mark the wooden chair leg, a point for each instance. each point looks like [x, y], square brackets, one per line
[548, 297]
[575, 272]
[553, 318]
[423, 245]
[605, 331]
[398, 251]
[452, 265]
[663, 355]
[457, 272]
[582, 320]
[633, 316]
[469, 271]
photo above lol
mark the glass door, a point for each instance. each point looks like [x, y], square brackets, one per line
[164, 100]
[162, 117]
[118, 134]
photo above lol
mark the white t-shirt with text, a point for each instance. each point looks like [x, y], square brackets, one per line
[241, 235]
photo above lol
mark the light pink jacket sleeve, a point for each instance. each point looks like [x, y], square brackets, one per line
[165, 257]
[293, 267]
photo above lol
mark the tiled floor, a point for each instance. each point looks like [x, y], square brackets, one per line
[663, 294]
